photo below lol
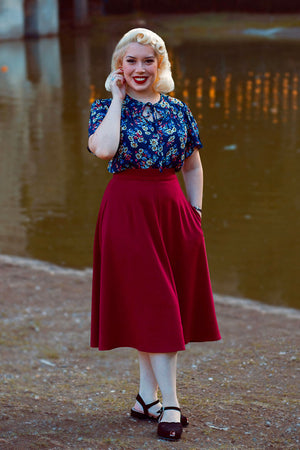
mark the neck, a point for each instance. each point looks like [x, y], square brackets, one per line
[152, 97]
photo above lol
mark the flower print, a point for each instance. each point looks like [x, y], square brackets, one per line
[170, 142]
[171, 130]
[153, 143]
[166, 142]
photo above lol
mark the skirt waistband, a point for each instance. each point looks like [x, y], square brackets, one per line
[146, 174]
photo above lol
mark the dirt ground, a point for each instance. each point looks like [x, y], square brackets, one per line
[56, 392]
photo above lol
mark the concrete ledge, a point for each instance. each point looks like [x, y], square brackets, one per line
[32, 18]
[12, 21]
[41, 18]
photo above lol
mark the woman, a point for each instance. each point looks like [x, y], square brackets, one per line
[151, 285]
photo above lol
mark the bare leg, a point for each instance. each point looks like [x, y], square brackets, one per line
[148, 384]
[164, 367]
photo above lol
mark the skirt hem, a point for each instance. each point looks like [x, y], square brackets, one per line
[138, 348]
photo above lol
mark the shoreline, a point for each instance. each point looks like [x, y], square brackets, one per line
[245, 303]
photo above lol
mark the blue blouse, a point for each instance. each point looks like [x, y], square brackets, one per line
[156, 136]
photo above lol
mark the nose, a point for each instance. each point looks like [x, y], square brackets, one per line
[140, 66]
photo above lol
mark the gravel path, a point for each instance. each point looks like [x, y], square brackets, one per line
[56, 392]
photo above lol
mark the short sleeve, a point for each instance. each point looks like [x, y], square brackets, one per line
[193, 138]
[98, 111]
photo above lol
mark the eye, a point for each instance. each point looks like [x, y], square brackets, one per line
[149, 61]
[130, 60]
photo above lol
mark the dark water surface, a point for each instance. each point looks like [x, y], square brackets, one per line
[245, 97]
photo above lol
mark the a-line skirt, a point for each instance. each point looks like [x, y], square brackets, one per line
[151, 285]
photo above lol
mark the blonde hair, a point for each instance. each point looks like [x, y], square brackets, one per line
[164, 82]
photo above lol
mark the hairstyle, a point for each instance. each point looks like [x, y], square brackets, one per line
[164, 82]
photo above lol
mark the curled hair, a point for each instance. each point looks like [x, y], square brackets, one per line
[164, 82]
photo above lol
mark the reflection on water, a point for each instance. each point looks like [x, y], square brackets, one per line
[246, 100]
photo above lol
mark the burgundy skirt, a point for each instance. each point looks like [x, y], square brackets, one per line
[151, 284]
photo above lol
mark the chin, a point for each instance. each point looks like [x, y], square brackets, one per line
[142, 88]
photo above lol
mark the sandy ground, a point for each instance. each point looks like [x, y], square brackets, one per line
[56, 392]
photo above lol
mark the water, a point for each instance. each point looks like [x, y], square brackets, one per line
[245, 97]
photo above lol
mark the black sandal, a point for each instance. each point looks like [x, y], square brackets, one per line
[170, 431]
[145, 415]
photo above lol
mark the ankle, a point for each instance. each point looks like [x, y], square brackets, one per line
[148, 397]
[143, 405]
[171, 415]
[170, 401]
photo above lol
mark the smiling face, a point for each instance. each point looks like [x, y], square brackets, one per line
[140, 69]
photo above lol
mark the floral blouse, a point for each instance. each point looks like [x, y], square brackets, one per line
[156, 136]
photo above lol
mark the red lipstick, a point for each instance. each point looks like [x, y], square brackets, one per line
[140, 80]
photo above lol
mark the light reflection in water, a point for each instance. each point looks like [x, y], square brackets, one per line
[256, 94]
[246, 102]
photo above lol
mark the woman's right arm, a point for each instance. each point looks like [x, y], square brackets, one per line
[105, 141]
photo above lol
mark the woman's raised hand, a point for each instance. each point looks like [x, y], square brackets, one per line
[118, 84]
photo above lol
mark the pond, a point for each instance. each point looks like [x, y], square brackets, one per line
[245, 97]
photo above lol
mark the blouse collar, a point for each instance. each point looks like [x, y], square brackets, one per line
[139, 102]
[136, 107]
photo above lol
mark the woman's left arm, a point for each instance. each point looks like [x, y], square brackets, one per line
[193, 179]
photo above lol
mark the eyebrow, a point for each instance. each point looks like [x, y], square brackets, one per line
[134, 57]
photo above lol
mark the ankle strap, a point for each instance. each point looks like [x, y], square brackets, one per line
[171, 407]
[143, 404]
